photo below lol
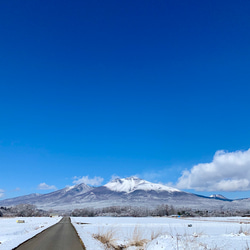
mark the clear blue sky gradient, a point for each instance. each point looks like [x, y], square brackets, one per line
[120, 87]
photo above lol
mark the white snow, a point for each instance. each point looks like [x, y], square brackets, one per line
[13, 234]
[131, 184]
[69, 188]
[218, 196]
[157, 233]
[167, 233]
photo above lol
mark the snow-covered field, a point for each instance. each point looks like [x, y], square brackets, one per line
[165, 233]
[139, 233]
[12, 233]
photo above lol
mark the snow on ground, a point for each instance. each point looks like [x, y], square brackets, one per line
[12, 233]
[166, 233]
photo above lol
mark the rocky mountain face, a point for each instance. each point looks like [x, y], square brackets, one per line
[130, 191]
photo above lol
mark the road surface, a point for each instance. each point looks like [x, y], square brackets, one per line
[61, 236]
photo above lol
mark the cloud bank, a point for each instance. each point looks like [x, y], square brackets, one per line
[44, 186]
[96, 181]
[229, 171]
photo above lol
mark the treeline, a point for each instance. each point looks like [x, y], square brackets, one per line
[23, 210]
[28, 210]
[128, 211]
[118, 211]
[161, 210]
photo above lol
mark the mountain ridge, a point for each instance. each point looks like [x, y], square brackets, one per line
[131, 191]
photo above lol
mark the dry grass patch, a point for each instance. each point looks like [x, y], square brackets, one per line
[158, 232]
[244, 230]
[137, 238]
[107, 238]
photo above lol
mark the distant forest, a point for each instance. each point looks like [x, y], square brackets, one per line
[28, 210]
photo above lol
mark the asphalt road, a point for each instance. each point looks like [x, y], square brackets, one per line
[61, 236]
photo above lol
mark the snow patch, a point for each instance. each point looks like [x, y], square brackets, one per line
[129, 185]
[13, 234]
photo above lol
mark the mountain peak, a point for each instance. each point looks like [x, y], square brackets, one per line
[218, 196]
[81, 186]
[133, 178]
[130, 184]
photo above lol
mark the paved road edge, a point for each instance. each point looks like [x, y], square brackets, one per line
[36, 235]
[78, 235]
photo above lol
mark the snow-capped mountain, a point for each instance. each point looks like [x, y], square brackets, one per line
[130, 191]
[131, 184]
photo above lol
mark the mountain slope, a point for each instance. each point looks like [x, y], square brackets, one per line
[20, 199]
[219, 197]
[57, 197]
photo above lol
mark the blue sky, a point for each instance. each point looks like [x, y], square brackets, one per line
[90, 90]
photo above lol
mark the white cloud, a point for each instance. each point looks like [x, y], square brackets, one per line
[1, 193]
[229, 171]
[96, 181]
[44, 186]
